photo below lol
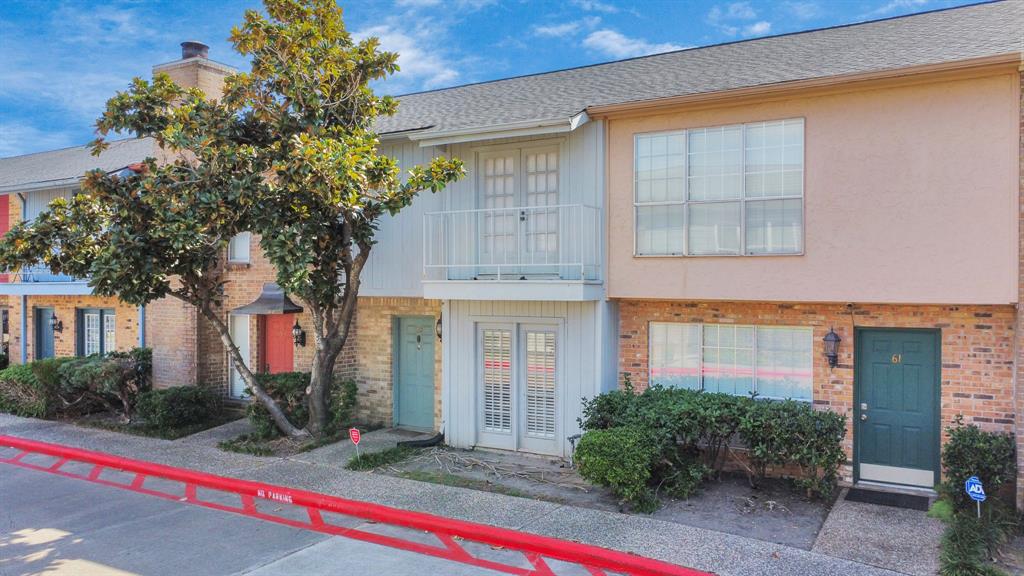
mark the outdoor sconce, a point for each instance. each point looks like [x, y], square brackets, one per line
[832, 341]
[55, 324]
[437, 328]
[298, 335]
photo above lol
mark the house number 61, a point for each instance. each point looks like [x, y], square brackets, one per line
[897, 358]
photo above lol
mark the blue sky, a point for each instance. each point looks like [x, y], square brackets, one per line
[60, 61]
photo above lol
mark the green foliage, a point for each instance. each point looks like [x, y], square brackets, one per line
[972, 451]
[968, 546]
[178, 407]
[114, 381]
[373, 460]
[5, 360]
[247, 444]
[343, 405]
[288, 389]
[621, 458]
[692, 431]
[941, 510]
[288, 152]
[21, 394]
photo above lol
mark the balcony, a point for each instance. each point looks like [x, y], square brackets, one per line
[516, 253]
[41, 281]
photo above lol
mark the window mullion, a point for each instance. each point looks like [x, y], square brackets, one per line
[743, 190]
[686, 193]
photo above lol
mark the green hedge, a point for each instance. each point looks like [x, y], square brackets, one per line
[21, 394]
[690, 433]
[289, 390]
[177, 407]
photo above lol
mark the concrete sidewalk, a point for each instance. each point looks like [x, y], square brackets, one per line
[322, 470]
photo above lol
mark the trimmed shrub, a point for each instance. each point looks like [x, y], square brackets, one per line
[343, 404]
[289, 390]
[177, 407]
[114, 381]
[972, 451]
[21, 394]
[621, 458]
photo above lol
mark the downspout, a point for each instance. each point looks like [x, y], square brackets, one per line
[142, 326]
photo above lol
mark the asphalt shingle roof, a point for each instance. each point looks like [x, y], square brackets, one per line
[928, 38]
[65, 166]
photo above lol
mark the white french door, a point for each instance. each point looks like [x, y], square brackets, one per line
[238, 327]
[518, 385]
[518, 234]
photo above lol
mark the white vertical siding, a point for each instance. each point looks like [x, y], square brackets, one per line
[39, 200]
[396, 261]
[587, 353]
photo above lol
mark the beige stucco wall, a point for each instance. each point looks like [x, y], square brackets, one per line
[910, 197]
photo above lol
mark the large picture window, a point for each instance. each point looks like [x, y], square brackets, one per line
[726, 190]
[770, 361]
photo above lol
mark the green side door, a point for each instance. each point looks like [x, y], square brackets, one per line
[896, 390]
[414, 372]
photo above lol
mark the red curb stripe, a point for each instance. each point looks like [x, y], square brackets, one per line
[591, 557]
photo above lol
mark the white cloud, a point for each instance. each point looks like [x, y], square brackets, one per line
[566, 28]
[616, 45]
[894, 5]
[803, 10]
[596, 6]
[19, 138]
[419, 59]
[732, 11]
[758, 28]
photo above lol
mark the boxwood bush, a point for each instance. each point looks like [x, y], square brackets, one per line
[178, 407]
[690, 433]
[21, 394]
[289, 389]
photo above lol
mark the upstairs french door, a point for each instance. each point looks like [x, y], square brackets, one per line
[518, 386]
[518, 234]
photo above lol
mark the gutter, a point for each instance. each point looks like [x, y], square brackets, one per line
[510, 130]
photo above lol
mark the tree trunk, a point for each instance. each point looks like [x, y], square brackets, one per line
[276, 413]
[321, 378]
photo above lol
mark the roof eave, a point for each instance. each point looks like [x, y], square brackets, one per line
[41, 185]
[510, 130]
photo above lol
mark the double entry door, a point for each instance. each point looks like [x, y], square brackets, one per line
[519, 218]
[518, 387]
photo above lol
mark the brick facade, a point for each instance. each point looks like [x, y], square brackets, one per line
[977, 349]
[65, 308]
[1019, 380]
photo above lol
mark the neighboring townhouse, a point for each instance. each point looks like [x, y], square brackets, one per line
[46, 314]
[716, 218]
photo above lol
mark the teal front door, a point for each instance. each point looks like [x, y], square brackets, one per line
[896, 394]
[44, 333]
[414, 372]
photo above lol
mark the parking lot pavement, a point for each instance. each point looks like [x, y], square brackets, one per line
[56, 525]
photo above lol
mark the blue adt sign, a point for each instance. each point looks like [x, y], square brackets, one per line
[974, 489]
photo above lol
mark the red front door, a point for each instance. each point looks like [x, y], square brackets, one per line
[278, 346]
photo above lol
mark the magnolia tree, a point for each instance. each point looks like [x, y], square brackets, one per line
[288, 152]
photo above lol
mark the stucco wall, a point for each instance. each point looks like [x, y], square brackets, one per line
[910, 197]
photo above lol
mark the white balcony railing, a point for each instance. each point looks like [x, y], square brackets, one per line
[40, 274]
[555, 243]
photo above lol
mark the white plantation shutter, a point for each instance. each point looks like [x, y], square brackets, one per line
[497, 380]
[540, 384]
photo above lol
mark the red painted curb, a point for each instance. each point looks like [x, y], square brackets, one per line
[444, 528]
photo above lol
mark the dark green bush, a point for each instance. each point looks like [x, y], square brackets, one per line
[178, 407]
[21, 394]
[972, 451]
[5, 360]
[114, 381]
[289, 390]
[693, 431]
[622, 459]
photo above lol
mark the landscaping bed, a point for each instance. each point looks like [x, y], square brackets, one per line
[113, 422]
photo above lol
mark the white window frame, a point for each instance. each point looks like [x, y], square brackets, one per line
[742, 200]
[239, 238]
[700, 356]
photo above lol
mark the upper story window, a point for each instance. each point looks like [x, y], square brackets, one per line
[725, 190]
[238, 247]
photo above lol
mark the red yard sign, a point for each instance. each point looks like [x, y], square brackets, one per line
[353, 433]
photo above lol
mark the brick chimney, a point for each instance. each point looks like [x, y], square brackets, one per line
[196, 70]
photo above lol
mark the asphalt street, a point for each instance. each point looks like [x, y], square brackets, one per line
[55, 525]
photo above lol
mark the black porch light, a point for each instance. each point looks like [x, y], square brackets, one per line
[55, 324]
[832, 341]
[298, 334]
[437, 328]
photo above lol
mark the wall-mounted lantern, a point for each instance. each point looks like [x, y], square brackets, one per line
[298, 334]
[55, 324]
[437, 328]
[832, 341]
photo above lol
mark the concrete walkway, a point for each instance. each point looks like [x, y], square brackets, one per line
[322, 470]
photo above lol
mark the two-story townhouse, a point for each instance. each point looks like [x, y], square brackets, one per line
[46, 314]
